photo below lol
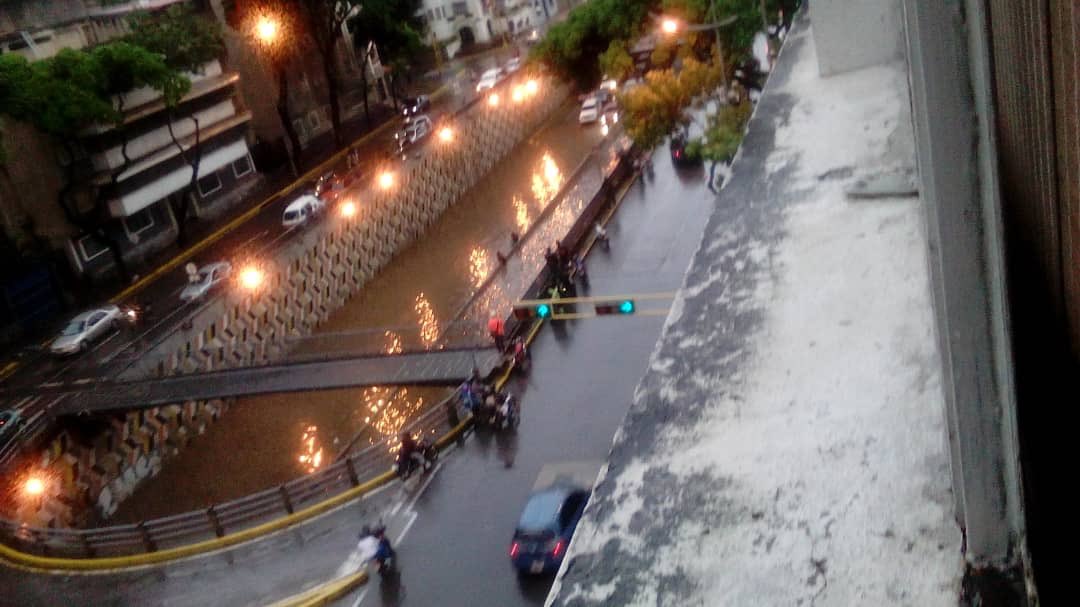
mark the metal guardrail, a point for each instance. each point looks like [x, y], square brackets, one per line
[225, 518]
[16, 442]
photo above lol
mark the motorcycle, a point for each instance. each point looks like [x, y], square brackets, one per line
[385, 556]
[429, 454]
[522, 358]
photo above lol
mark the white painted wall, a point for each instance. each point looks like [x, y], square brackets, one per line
[156, 139]
[852, 34]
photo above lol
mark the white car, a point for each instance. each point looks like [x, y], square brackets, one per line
[301, 210]
[488, 80]
[513, 65]
[590, 110]
[610, 85]
[208, 277]
[85, 328]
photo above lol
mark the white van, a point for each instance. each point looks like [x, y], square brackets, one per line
[301, 210]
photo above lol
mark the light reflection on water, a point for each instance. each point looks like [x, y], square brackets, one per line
[479, 266]
[386, 409]
[311, 453]
[429, 323]
[393, 343]
[546, 180]
[521, 214]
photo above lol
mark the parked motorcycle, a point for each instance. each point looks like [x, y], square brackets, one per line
[425, 456]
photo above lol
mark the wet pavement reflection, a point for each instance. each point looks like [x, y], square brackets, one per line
[442, 288]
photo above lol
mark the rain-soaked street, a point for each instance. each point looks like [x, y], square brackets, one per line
[453, 533]
[440, 279]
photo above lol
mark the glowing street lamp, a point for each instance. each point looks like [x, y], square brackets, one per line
[446, 134]
[386, 180]
[669, 26]
[348, 209]
[532, 86]
[493, 99]
[518, 94]
[251, 278]
[266, 29]
[34, 486]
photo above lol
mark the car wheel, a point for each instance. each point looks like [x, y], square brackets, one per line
[84, 346]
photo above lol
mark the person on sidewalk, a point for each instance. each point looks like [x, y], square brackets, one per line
[497, 330]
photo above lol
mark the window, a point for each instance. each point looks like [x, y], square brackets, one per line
[139, 222]
[242, 166]
[90, 247]
[209, 184]
[460, 9]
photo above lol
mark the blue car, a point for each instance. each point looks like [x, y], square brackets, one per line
[545, 528]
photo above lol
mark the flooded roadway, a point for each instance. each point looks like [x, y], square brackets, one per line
[264, 441]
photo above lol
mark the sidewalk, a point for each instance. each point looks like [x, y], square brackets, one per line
[787, 443]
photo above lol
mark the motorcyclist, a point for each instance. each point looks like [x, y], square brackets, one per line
[375, 546]
[410, 451]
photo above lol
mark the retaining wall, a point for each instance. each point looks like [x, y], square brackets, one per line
[307, 279]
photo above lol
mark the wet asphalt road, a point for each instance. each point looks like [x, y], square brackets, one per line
[582, 381]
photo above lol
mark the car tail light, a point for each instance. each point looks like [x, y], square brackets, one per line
[557, 549]
[678, 153]
[514, 548]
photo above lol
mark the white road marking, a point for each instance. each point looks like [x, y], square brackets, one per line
[360, 599]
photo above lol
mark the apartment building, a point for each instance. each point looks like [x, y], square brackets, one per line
[137, 166]
[463, 23]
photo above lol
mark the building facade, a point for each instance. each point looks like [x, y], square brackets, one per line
[141, 168]
[464, 23]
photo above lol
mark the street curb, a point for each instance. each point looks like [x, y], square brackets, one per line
[325, 593]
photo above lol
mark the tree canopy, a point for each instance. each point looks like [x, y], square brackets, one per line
[394, 25]
[186, 39]
[571, 47]
[655, 108]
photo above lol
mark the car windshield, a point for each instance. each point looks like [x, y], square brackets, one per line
[589, 104]
[73, 328]
[291, 214]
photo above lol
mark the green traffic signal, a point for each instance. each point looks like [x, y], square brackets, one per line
[626, 307]
[543, 310]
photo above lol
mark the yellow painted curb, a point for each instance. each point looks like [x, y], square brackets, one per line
[8, 369]
[236, 222]
[325, 593]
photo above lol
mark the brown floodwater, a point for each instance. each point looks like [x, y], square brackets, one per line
[433, 287]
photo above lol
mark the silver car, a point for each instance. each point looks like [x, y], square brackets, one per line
[208, 277]
[85, 328]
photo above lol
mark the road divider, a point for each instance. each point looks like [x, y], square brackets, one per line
[324, 594]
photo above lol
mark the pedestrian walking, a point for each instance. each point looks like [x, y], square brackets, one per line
[497, 330]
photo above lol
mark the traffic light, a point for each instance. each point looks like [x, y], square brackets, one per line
[537, 311]
[624, 306]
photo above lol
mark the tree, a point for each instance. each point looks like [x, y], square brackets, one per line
[394, 26]
[616, 61]
[187, 41]
[63, 95]
[654, 109]
[323, 20]
[571, 46]
[273, 26]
